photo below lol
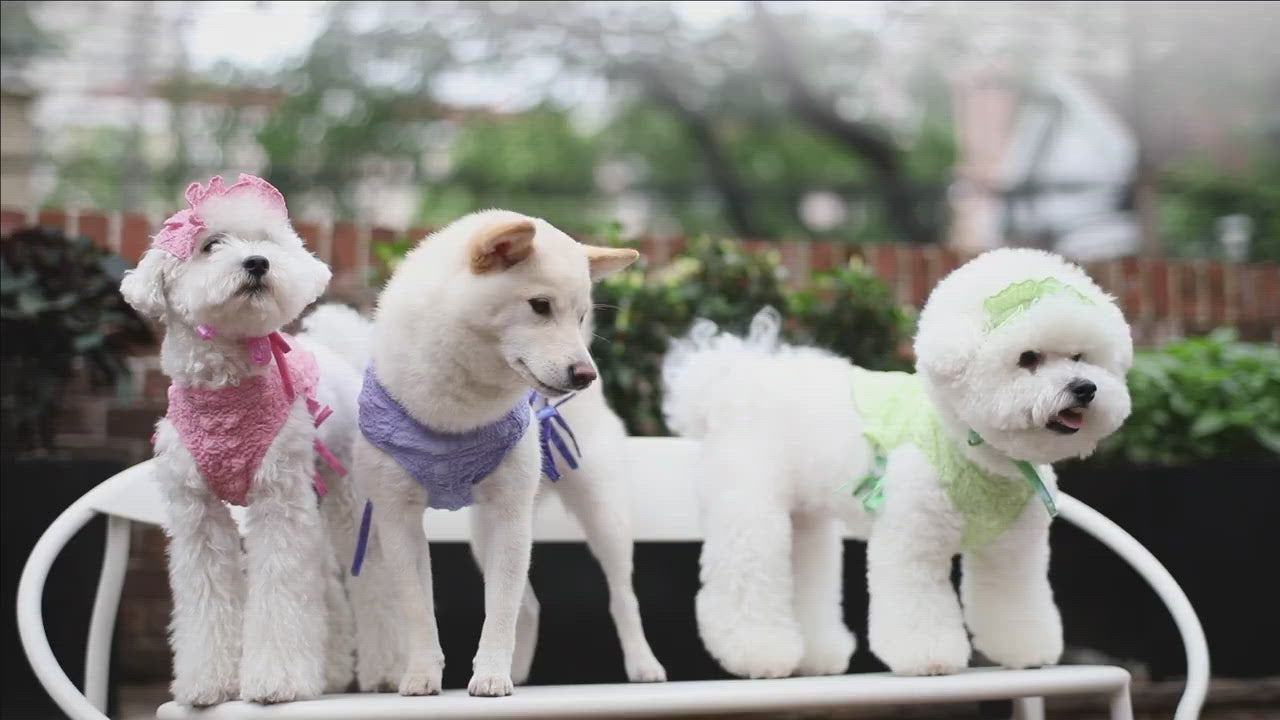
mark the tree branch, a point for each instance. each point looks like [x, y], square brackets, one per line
[737, 198]
[868, 141]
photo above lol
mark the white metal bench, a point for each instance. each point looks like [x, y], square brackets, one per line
[665, 510]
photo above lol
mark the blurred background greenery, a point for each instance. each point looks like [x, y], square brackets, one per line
[861, 122]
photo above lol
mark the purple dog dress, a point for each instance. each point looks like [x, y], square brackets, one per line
[447, 465]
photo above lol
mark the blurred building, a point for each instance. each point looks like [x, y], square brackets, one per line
[1052, 169]
[17, 147]
[92, 90]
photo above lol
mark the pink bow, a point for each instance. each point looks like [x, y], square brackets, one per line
[181, 230]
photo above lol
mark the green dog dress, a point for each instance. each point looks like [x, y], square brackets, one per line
[896, 411]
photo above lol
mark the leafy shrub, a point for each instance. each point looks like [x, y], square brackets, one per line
[849, 311]
[60, 303]
[1202, 399]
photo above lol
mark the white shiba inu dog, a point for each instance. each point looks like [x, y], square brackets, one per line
[477, 321]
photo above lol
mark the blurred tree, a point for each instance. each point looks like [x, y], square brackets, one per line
[359, 98]
[709, 93]
[21, 39]
[869, 141]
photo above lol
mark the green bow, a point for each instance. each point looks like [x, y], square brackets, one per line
[1016, 298]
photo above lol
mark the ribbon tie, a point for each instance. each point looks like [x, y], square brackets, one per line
[549, 436]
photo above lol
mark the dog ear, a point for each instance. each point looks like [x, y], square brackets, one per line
[943, 349]
[500, 246]
[143, 286]
[604, 261]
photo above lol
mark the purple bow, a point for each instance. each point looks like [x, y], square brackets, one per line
[548, 435]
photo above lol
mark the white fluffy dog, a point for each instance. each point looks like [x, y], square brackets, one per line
[271, 623]
[476, 316]
[1021, 362]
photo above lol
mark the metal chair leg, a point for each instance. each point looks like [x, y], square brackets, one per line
[97, 661]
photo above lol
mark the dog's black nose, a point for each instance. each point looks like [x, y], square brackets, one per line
[256, 265]
[581, 375]
[1083, 390]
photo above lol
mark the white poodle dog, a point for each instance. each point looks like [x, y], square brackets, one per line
[247, 426]
[1021, 363]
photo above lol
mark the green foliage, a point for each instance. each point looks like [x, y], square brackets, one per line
[1207, 398]
[59, 303]
[849, 311]
[1195, 194]
[21, 39]
[537, 162]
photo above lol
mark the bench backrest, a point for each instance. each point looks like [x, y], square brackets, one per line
[660, 476]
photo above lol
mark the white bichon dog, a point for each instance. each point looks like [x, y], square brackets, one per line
[1021, 362]
[246, 426]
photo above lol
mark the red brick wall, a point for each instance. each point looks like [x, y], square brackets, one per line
[1161, 298]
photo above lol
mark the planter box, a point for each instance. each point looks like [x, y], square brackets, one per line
[1213, 527]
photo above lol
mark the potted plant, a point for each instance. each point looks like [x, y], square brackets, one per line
[61, 313]
[1193, 474]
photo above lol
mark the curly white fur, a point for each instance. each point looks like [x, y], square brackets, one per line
[270, 623]
[781, 437]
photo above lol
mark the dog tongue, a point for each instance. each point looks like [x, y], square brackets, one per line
[1071, 418]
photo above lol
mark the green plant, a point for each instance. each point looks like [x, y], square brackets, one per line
[848, 310]
[1202, 399]
[1195, 194]
[60, 304]
[851, 311]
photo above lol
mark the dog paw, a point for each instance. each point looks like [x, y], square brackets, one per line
[827, 652]
[379, 683]
[280, 682]
[425, 681]
[1019, 647]
[268, 691]
[923, 649]
[645, 669]
[203, 695]
[378, 676]
[745, 646]
[757, 651]
[490, 685]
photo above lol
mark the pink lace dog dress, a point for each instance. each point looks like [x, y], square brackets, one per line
[229, 430]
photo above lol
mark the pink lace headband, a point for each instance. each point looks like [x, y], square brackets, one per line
[178, 236]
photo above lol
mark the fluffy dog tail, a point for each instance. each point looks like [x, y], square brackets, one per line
[343, 330]
[700, 368]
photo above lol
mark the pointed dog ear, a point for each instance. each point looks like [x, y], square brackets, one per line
[604, 261]
[501, 246]
[143, 286]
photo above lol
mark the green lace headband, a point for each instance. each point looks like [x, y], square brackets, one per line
[1018, 297]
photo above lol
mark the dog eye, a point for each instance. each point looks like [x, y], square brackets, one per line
[541, 306]
[208, 244]
[1029, 359]
[1077, 357]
